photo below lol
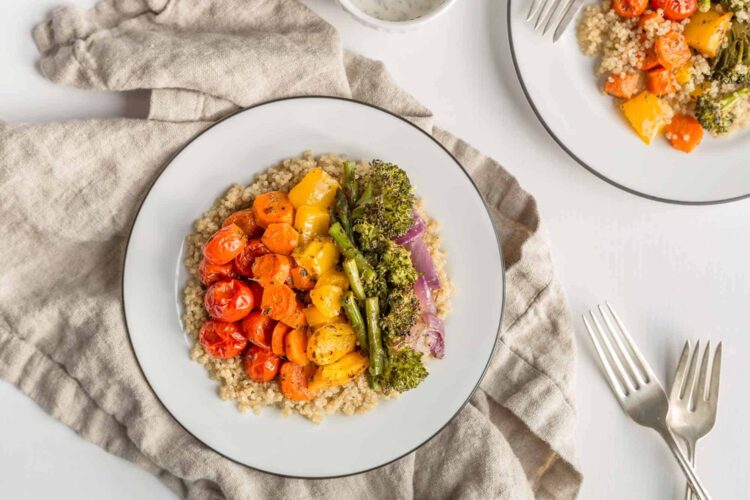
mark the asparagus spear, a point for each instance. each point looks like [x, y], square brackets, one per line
[355, 319]
[352, 272]
[351, 188]
[345, 244]
[377, 354]
[342, 211]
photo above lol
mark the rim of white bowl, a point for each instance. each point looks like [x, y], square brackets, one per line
[381, 24]
[498, 333]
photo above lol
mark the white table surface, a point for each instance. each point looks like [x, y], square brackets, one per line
[674, 272]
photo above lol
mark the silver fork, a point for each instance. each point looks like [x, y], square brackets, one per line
[692, 407]
[546, 12]
[636, 388]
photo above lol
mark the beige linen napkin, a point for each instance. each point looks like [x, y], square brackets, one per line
[68, 195]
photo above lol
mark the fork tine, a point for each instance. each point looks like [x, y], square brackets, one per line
[689, 390]
[645, 368]
[700, 389]
[679, 375]
[713, 393]
[568, 13]
[614, 383]
[613, 355]
[552, 16]
[637, 376]
[547, 8]
[535, 4]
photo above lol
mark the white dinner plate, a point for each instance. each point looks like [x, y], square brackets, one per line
[561, 87]
[233, 151]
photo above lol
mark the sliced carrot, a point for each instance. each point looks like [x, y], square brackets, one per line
[272, 269]
[295, 319]
[660, 81]
[650, 20]
[294, 379]
[277, 338]
[623, 85]
[279, 301]
[302, 279]
[629, 8]
[672, 50]
[281, 237]
[245, 219]
[649, 60]
[295, 346]
[684, 132]
[273, 207]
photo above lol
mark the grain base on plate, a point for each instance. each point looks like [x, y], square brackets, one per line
[354, 397]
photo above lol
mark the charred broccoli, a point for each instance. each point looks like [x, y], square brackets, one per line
[395, 264]
[403, 310]
[732, 63]
[403, 369]
[387, 200]
[715, 114]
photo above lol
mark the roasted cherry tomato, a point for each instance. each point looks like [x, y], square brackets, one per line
[222, 340]
[258, 329]
[229, 300]
[658, 4]
[243, 263]
[245, 219]
[629, 8]
[225, 244]
[211, 273]
[677, 10]
[260, 364]
[257, 293]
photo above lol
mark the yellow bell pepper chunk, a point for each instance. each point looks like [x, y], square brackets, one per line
[318, 256]
[327, 299]
[333, 277]
[705, 31]
[315, 318]
[311, 221]
[682, 75]
[647, 114]
[316, 189]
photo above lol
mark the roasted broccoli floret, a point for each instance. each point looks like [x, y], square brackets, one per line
[374, 285]
[732, 63]
[715, 114]
[387, 200]
[403, 310]
[404, 369]
[370, 238]
[395, 264]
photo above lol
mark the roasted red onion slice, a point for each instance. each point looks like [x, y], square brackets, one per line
[430, 330]
[416, 230]
[422, 260]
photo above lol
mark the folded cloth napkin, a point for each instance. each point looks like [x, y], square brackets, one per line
[68, 195]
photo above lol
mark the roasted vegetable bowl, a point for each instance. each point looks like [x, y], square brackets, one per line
[319, 288]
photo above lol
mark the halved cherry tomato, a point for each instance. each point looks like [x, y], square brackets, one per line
[222, 340]
[245, 219]
[257, 293]
[658, 4]
[211, 273]
[258, 329]
[677, 10]
[261, 365]
[277, 339]
[243, 263]
[225, 244]
[294, 380]
[229, 300]
[672, 50]
[629, 8]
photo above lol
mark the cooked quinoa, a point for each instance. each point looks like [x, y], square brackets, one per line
[354, 397]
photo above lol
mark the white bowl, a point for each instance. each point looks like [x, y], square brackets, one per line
[235, 150]
[394, 26]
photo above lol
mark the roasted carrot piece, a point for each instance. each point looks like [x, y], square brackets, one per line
[684, 132]
[650, 20]
[279, 301]
[622, 85]
[277, 338]
[302, 279]
[273, 207]
[281, 238]
[295, 346]
[660, 81]
[272, 269]
[672, 50]
[649, 60]
[245, 219]
[294, 379]
[297, 318]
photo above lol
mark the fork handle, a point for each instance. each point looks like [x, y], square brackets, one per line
[690, 447]
[693, 480]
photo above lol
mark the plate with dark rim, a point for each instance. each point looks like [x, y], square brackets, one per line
[233, 151]
[559, 83]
